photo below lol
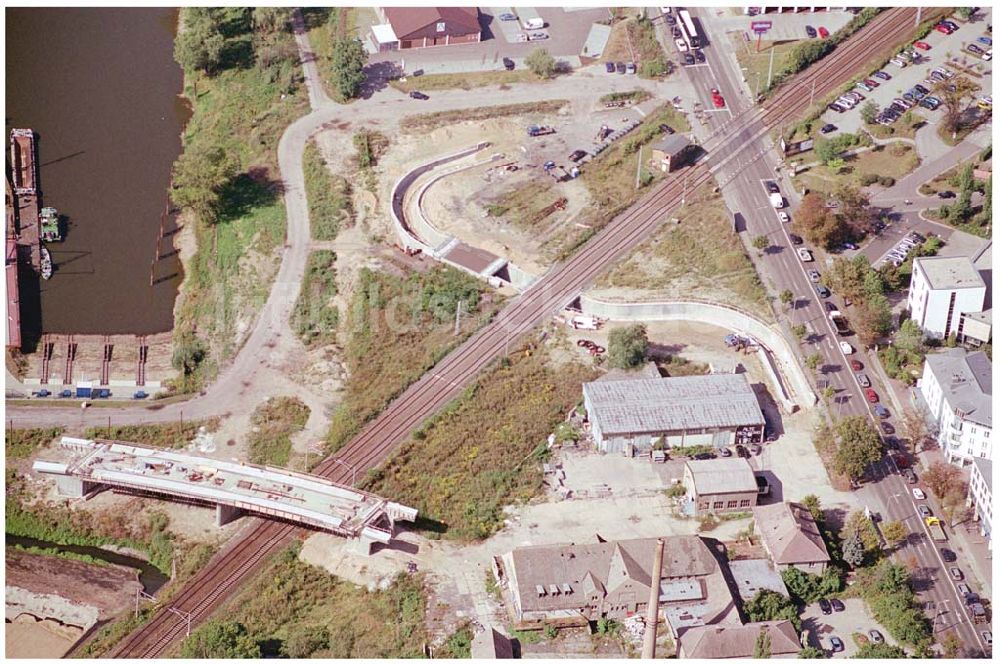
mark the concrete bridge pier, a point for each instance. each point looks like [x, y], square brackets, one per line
[75, 487]
[226, 514]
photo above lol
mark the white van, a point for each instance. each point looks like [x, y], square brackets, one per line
[534, 24]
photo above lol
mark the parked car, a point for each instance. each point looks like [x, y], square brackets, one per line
[919, 88]
[671, 20]
[837, 605]
[822, 291]
[823, 32]
[910, 476]
[725, 452]
[931, 103]
[951, 24]
[43, 393]
[507, 16]
[956, 574]
[783, 216]
[717, 99]
[963, 589]
[835, 644]
[924, 510]
[772, 187]
[856, 365]
[741, 451]
[987, 637]
[814, 275]
[887, 428]
[948, 555]
[699, 55]
[834, 106]
[681, 46]
[846, 348]
[946, 194]
[688, 58]
[796, 240]
[872, 83]
[620, 67]
[881, 411]
[508, 64]
[703, 456]
[871, 395]
[609, 67]
[630, 68]
[537, 35]
[140, 394]
[985, 40]
[919, 494]
[577, 155]
[810, 32]
[827, 128]
[923, 46]
[864, 381]
[942, 28]
[883, 75]
[864, 86]
[666, 129]
[416, 94]
[755, 448]
[824, 606]
[875, 636]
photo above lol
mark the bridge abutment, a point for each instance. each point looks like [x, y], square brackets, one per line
[226, 514]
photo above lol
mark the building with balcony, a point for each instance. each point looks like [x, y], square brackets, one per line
[981, 496]
[944, 292]
[957, 389]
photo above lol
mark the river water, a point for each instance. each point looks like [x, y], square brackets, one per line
[101, 89]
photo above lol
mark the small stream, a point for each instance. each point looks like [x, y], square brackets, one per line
[151, 577]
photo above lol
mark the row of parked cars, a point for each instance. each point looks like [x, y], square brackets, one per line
[897, 255]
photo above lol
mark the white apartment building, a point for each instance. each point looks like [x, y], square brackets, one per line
[957, 387]
[942, 290]
[981, 496]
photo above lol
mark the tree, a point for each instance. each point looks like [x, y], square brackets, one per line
[786, 297]
[806, 588]
[953, 94]
[858, 524]
[853, 551]
[895, 532]
[770, 605]
[348, 67]
[940, 476]
[872, 319]
[199, 44]
[762, 648]
[914, 428]
[799, 330]
[878, 651]
[220, 639]
[910, 338]
[847, 276]
[761, 243]
[986, 216]
[965, 12]
[811, 503]
[952, 646]
[541, 63]
[868, 111]
[825, 150]
[269, 20]
[199, 175]
[189, 352]
[811, 652]
[815, 222]
[813, 360]
[859, 446]
[855, 208]
[627, 346]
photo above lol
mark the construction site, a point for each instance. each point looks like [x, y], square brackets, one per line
[89, 466]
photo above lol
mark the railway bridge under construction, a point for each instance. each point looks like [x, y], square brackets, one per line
[234, 488]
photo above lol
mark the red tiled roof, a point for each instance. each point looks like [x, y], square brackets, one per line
[457, 20]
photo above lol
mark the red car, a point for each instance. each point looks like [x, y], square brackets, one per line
[923, 46]
[871, 395]
[941, 27]
[717, 99]
[857, 366]
[823, 33]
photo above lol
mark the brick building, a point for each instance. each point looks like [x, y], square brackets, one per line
[421, 27]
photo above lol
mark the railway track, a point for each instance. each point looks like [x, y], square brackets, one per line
[245, 554]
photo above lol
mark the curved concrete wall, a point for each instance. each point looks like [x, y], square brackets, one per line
[406, 235]
[778, 357]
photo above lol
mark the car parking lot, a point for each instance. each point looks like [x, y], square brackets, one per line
[904, 79]
[853, 618]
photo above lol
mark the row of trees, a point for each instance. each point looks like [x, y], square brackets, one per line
[214, 39]
[857, 281]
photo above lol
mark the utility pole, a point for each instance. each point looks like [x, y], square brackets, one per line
[919, 11]
[770, 68]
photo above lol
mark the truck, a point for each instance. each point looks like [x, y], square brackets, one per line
[540, 130]
[935, 529]
[533, 24]
[840, 322]
[777, 200]
[804, 254]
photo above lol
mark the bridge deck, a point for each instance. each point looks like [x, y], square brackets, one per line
[300, 497]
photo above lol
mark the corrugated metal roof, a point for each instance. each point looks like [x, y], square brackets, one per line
[673, 403]
[722, 476]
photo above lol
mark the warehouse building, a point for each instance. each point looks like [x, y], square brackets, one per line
[640, 414]
[421, 27]
[720, 485]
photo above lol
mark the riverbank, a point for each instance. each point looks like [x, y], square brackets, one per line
[230, 250]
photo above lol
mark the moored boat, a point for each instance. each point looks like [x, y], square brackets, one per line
[50, 225]
[46, 265]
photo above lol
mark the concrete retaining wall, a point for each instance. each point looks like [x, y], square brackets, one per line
[790, 383]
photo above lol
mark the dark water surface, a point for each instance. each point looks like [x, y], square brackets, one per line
[100, 88]
[151, 577]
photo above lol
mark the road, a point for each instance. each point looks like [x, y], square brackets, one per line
[885, 492]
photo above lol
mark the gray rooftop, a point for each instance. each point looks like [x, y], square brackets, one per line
[722, 476]
[950, 272]
[754, 575]
[672, 144]
[985, 468]
[673, 403]
[966, 381]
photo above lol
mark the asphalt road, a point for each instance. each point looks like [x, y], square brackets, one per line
[885, 492]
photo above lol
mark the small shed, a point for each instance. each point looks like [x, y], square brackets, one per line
[671, 153]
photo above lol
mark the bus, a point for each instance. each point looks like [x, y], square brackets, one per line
[688, 29]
